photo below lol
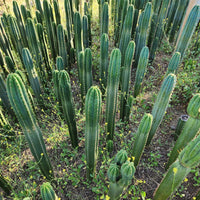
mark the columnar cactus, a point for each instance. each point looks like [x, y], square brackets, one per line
[88, 14]
[68, 105]
[126, 77]
[104, 19]
[60, 63]
[174, 63]
[57, 12]
[188, 30]
[104, 61]
[92, 112]
[21, 104]
[62, 50]
[47, 192]
[38, 16]
[141, 69]
[39, 7]
[190, 129]
[56, 85]
[5, 185]
[161, 104]
[188, 159]
[112, 90]
[85, 32]
[32, 73]
[10, 65]
[141, 137]
[24, 13]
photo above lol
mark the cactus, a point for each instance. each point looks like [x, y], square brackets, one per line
[188, 159]
[190, 129]
[67, 105]
[188, 30]
[174, 63]
[56, 85]
[3, 67]
[59, 63]
[92, 112]
[104, 61]
[112, 90]
[126, 32]
[81, 72]
[121, 157]
[88, 14]
[3, 121]
[141, 69]
[39, 7]
[24, 13]
[104, 19]
[10, 64]
[141, 36]
[126, 78]
[161, 103]
[178, 17]
[5, 185]
[47, 192]
[61, 45]
[21, 104]
[85, 32]
[57, 12]
[32, 73]
[38, 16]
[113, 173]
[141, 137]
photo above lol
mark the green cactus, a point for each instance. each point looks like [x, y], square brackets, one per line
[56, 85]
[38, 16]
[24, 13]
[188, 159]
[113, 173]
[59, 63]
[190, 129]
[81, 72]
[127, 172]
[88, 14]
[174, 63]
[47, 192]
[141, 138]
[85, 32]
[57, 12]
[39, 7]
[61, 45]
[188, 30]
[121, 157]
[32, 73]
[126, 78]
[5, 185]
[92, 112]
[104, 61]
[21, 104]
[126, 33]
[104, 19]
[10, 65]
[141, 69]
[112, 90]
[67, 105]
[161, 104]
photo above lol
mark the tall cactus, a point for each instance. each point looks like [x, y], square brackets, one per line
[92, 112]
[190, 129]
[126, 78]
[161, 103]
[61, 45]
[174, 63]
[60, 63]
[85, 32]
[57, 12]
[21, 104]
[5, 185]
[10, 64]
[141, 69]
[188, 159]
[47, 192]
[141, 137]
[39, 7]
[32, 73]
[104, 61]
[104, 19]
[188, 30]
[67, 105]
[112, 90]
[38, 16]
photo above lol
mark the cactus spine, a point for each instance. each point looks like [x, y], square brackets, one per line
[21, 104]
[125, 78]
[67, 105]
[104, 19]
[190, 129]
[112, 90]
[47, 192]
[32, 73]
[141, 137]
[92, 112]
[5, 185]
[161, 103]
[188, 30]
[188, 159]
[104, 61]
[174, 63]
[141, 69]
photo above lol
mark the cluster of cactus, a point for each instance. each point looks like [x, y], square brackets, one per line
[120, 174]
[190, 129]
[92, 113]
[21, 104]
[47, 192]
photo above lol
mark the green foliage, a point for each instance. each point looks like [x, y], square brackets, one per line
[5, 185]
